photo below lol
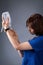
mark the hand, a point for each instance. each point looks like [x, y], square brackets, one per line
[5, 23]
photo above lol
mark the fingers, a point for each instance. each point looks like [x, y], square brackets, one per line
[5, 23]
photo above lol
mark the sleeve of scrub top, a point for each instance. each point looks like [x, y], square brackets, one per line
[36, 43]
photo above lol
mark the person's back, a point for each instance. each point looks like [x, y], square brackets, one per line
[35, 56]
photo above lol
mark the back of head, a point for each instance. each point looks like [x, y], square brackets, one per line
[36, 23]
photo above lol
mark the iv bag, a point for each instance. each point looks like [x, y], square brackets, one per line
[6, 15]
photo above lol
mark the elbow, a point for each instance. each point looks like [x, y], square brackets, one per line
[17, 48]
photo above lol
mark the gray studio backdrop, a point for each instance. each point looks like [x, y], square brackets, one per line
[19, 10]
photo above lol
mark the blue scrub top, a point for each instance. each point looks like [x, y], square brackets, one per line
[34, 56]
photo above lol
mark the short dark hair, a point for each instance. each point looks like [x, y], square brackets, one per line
[36, 22]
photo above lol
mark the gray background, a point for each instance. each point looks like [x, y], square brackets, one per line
[19, 10]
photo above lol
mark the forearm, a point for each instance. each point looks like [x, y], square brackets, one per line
[13, 38]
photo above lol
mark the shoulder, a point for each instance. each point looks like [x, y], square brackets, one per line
[37, 43]
[36, 39]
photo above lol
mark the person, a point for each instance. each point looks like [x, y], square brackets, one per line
[32, 50]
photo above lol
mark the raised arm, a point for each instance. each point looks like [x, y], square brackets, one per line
[13, 38]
